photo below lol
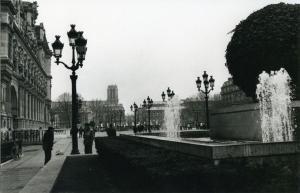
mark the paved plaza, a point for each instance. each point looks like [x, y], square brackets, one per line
[15, 174]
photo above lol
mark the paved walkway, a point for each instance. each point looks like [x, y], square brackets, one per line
[17, 173]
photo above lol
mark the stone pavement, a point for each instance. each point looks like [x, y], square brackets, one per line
[29, 170]
[17, 173]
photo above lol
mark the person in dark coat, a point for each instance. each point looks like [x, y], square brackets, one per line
[80, 132]
[48, 139]
[88, 139]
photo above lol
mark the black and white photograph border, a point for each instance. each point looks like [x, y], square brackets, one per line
[141, 96]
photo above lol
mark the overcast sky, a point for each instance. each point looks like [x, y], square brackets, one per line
[144, 46]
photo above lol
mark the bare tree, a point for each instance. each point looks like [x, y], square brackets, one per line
[63, 107]
[96, 106]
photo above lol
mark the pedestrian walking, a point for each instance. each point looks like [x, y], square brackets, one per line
[48, 139]
[88, 139]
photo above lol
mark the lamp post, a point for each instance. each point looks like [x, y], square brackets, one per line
[148, 104]
[207, 83]
[163, 96]
[120, 123]
[170, 94]
[134, 109]
[76, 41]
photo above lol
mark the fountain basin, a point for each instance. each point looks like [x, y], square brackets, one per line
[183, 134]
[242, 122]
[216, 150]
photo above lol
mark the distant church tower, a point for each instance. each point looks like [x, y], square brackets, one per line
[112, 94]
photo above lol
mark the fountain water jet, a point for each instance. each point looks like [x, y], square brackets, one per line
[274, 94]
[172, 117]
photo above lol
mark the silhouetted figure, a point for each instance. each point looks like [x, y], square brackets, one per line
[48, 143]
[88, 139]
[140, 128]
[143, 128]
[134, 129]
[111, 131]
[80, 132]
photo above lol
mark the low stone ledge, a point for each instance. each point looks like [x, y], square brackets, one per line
[173, 171]
[216, 151]
[182, 133]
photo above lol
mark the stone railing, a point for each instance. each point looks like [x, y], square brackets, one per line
[61, 133]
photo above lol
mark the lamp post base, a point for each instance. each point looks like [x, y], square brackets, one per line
[75, 151]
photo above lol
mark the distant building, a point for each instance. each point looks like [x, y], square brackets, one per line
[101, 112]
[25, 67]
[232, 94]
[112, 94]
[156, 114]
[192, 112]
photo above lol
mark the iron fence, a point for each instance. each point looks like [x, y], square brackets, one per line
[29, 137]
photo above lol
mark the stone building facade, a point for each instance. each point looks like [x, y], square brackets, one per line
[192, 112]
[232, 94]
[156, 114]
[112, 94]
[102, 112]
[25, 67]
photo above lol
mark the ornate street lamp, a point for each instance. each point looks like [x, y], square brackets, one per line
[78, 43]
[207, 83]
[121, 113]
[163, 96]
[134, 109]
[148, 104]
[170, 94]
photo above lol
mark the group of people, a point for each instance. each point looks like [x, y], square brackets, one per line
[88, 139]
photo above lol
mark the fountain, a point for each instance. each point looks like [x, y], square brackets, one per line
[172, 117]
[246, 130]
[274, 94]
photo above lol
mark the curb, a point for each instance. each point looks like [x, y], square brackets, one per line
[10, 160]
[4, 163]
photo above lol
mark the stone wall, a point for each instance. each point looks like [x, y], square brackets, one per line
[240, 122]
[296, 119]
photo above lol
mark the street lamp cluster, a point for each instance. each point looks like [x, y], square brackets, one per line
[170, 94]
[207, 83]
[77, 42]
[134, 109]
[148, 104]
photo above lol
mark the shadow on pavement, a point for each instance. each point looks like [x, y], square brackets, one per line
[85, 173]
